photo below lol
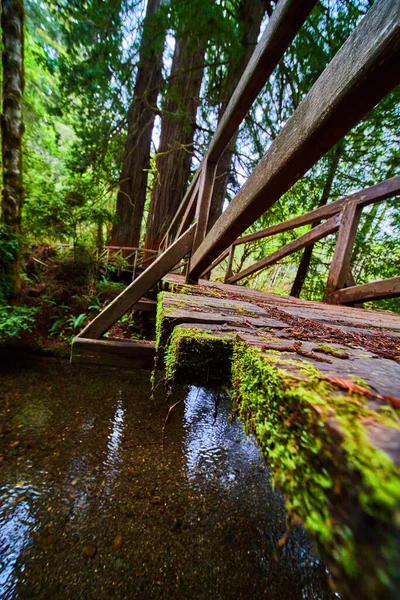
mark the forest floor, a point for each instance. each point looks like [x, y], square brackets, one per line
[66, 294]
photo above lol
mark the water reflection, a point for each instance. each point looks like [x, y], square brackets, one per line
[245, 515]
[103, 512]
[17, 523]
[216, 447]
[113, 459]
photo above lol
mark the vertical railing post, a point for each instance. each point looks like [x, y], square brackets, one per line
[340, 265]
[134, 265]
[229, 271]
[207, 179]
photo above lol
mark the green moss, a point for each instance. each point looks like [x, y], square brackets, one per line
[323, 473]
[242, 310]
[199, 356]
[316, 441]
[332, 351]
[359, 381]
[159, 320]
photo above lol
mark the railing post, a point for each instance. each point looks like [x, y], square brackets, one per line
[340, 265]
[229, 271]
[204, 202]
[134, 265]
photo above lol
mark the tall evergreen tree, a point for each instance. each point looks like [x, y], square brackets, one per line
[12, 23]
[178, 121]
[136, 161]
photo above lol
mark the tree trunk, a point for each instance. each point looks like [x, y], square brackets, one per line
[136, 161]
[12, 23]
[177, 131]
[250, 14]
[333, 163]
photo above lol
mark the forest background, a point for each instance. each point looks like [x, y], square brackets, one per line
[121, 99]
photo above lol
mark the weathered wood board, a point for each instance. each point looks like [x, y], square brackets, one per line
[114, 353]
[295, 392]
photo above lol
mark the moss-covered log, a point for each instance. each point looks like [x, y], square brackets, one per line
[321, 441]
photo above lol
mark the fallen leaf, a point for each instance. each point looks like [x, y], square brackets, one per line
[117, 543]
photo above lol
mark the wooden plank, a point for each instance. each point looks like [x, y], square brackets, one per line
[193, 316]
[363, 72]
[285, 22]
[303, 241]
[371, 195]
[387, 322]
[190, 211]
[204, 202]
[376, 290]
[192, 190]
[340, 265]
[138, 288]
[114, 353]
[229, 272]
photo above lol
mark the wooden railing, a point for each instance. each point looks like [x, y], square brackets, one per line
[135, 258]
[361, 74]
[343, 216]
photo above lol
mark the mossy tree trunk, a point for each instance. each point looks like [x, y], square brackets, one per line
[131, 197]
[12, 24]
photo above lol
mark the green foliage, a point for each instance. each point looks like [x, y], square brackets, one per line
[9, 250]
[67, 325]
[14, 320]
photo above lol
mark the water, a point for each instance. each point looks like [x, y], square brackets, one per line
[100, 498]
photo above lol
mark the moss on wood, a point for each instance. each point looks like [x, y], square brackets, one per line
[315, 438]
[346, 491]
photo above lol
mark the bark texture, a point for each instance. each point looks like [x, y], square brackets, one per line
[177, 131]
[333, 163]
[131, 197]
[249, 14]
[12, 23]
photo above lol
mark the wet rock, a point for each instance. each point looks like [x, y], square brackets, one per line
[90, 550]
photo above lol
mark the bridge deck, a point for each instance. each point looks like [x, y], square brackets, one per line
[319, 386]
[342, 342]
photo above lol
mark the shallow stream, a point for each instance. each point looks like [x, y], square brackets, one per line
[101, 498]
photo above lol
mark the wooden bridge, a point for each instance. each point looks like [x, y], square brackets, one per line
[318, 383]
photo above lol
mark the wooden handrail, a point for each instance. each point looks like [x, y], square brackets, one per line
[138, 288]
[375, 290]
[363, 72]
[303, 241]
[285, 22]
[282, 27]
[179, 215]
[340, 265]
[371, 195]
